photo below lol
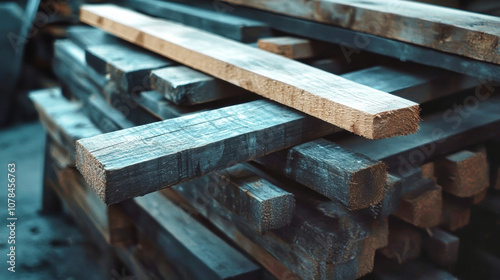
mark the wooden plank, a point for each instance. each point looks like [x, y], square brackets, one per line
[339, 174]
[261, 204]
[353, 44]
[437, 136]
[195, 250]
[441, 247]
[405, 242]
[463, 174]
[291, 47]
[449, 30]
[181, 146]
[63, 119]
[422, 208]
[86, 36]
[127, 65]
[374, 114]
[185, 86]
[210, 20]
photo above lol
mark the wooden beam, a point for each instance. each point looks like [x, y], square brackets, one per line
[437, 136]
[455, 214]
[449, 30]
[185, 86]
[86, 36]
[237, 133]
[405, 242]
[126, 64]
[422, 207]
[214, 20]
[339, 174]
[195, 250]
[374, 114]
[261, 204]
[291, 47]
[463, 174]
[441, 247]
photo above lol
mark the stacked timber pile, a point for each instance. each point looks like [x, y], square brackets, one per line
[250, 145]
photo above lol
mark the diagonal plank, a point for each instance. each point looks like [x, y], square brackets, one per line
[351, 106]
[445, 29]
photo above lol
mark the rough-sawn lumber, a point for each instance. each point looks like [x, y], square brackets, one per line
[359, 109]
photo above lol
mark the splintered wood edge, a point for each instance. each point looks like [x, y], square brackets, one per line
[92, 170]
[398, 122]
[374, 176]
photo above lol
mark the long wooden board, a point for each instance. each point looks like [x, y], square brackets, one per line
[449, 30]
[359, 109]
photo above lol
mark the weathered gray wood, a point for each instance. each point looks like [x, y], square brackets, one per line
[449, 30]
[261, 204]
[339, 174]
[197, 252]
[373, 114]
[213, 21]
[442, 247]
[143, 159]
[127, 65]
[63, 119]
[86, 36]
[417, 83]
[438, 135]
[185, 86]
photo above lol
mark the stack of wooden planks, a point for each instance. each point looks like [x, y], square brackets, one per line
[204, 144]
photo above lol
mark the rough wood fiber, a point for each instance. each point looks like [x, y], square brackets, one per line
[261, 204]
[339, 174]
[405, 242]
[422, 207]
[351, 106]
[463, 174]
[143, 159]
[449, 30]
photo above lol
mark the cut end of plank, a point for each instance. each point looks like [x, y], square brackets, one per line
[92, 170]
[371, 190]
[386, 124]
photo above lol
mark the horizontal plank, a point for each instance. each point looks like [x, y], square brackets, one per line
[449, 30]
[339, 174]
[354, 44]
[373, 114]
[185, 86]
[189, 147]
[442, 247]
[212, 20]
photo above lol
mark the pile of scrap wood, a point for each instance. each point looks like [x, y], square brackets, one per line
[193, 143]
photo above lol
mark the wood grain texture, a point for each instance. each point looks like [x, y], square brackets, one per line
[214, 20]
[455, 214]
[187, 147]
[185, 86]
[463, 174]
[437, 136]
[449, 30]
[353, 107]
[261, 204]
[339, 174]
[126, 64]
[291, 47]
[196, 251]
[422, 207]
